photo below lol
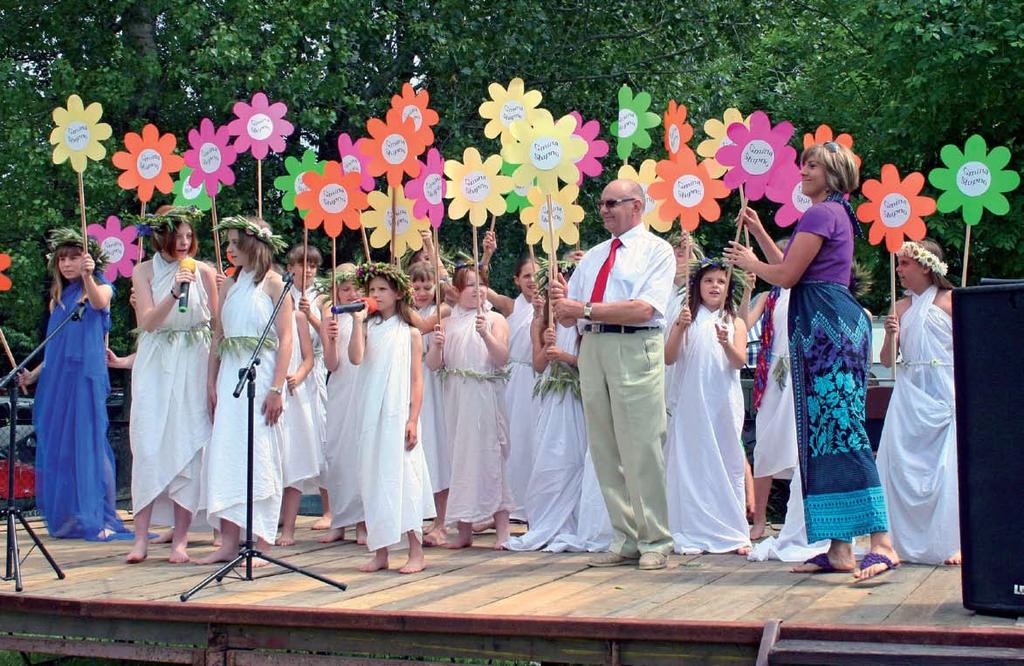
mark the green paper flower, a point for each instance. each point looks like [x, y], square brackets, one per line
[186, 195]
[634, 122]
[516, 199]
[291, 183]
[974, 179]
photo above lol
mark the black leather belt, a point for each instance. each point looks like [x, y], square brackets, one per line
[616, 328]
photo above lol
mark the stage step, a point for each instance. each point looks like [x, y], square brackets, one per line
[856, 653]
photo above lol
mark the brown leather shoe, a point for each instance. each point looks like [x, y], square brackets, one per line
[652, 560]
[610, 560]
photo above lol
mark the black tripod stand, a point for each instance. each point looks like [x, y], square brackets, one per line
[246, 553]
[11, 513]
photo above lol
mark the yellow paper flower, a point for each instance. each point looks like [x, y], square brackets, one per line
[648, 174]
[545, 150]
[378, 217]
[715, 130]
[565, 215]
[476, 187]
[78, 134]
[507, 106]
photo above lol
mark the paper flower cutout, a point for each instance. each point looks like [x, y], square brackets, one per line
[118, 244]
[210, 157]
[475, 187]
[895, 208]
[686, 190]
[590, 164]
[757, 153]
[230, 270]
[427, 190]
[633, 123]
[413, 104]
[645, 177]
[260, 126]
[148, 162]
[5, 263]
[824, 134]
[678, 132]
[354, 160]
[293, 183]
[78, 134]
[563, 217]
[379, 218]
[186, 195]
[333, 198]
[393, 147]
[545, 151]
[516, 199]
[786, 188]
[507, 106]
[974, 179]
[718, 137]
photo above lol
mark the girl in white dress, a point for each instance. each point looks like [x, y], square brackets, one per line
[169, 425]
[685, 250]
[917, 454]
[474, 341]
[704, 455]
[247, 302]
[393, 480]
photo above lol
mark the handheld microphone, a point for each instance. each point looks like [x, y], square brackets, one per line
[79, 310]
[186, 264]
[355, 306]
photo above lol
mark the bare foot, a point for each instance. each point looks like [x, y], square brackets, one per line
[435, 537]
[323, 524]
[742, 550]
[164, 538]
[460, 542]
[332, 535]
[881, 567]
[483, 525]
[757, 531]
[377, 562]
[222, 554]
[845, 565]
[361, 534]
[178, 555]
[955, 560]
[285, 540]
[413, 565]
[137, 555]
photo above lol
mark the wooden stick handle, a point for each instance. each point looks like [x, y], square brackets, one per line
[476, 268]
[366, 243]
[967, 256]
[334, 271]
[216, 235]
[892, 310]
[259, 189]
[394, 226]
[81, 208]
[305, 257]
[7, 349]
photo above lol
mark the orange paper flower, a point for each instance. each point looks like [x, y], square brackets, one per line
[824, 134]
[895, 208]
[678, 132]
[5, 263]
[334, 199]
[393, 147]
[413, 104]
[686, 190]
[148, 162]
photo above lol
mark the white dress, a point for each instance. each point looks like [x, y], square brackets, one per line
[433, 437]
[672, 372]
[521, 406]
[476, 422]
[342, 451]
[775, 453]
[704, 455]
[394, 483]
[247, 308]
[917, 453]
[169, 425]
[593, 527]
[301, 450]
[315, 383]
[553, 494]
[791, 543]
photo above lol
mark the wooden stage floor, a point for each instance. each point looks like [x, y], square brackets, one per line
[480, 582]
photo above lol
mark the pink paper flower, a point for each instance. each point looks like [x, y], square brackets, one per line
[260, 126]
[353, 159]
[427, 190]
[786, 188]
[210, 156]
[756, 153]
[119, 246]
[590, 164]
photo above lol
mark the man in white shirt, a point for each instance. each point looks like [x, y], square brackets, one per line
[617, 298]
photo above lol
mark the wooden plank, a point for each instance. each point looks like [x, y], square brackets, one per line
[885, 594]
[840, 652]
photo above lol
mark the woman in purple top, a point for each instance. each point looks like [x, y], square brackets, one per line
[829, 349]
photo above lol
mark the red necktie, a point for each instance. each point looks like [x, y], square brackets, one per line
[597, 296]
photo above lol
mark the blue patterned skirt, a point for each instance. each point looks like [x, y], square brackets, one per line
[830, 355]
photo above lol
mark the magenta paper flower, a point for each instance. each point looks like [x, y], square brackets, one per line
[427, 190]
[353, 159]
[260, 126]
[210, 156]
[590, 164]
[756, 153]
[119, 246]
[786, 187]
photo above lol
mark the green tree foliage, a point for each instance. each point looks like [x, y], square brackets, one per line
[903, 77]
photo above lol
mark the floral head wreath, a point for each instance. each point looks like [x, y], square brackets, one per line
[394, 275]
[737, 283]
[168, 221]
[61, 237]
[923, 256]
[861, 280]
[322, 285]
[250, 228]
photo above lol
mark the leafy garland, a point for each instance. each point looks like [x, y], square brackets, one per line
[322, 285]
[562, 377]
[242, 344]
[201, 332]
[62, 236]
[494, 376]
[366, 272]
[166, 222]
[566, 269]
[737, 284]
[262, 234]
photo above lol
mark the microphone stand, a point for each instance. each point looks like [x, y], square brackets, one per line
[11, 512]
[247, 551]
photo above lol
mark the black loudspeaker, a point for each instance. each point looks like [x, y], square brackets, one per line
[988, 323]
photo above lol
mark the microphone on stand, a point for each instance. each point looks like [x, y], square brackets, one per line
[370, 304]
[79, 310]
[186, 264]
